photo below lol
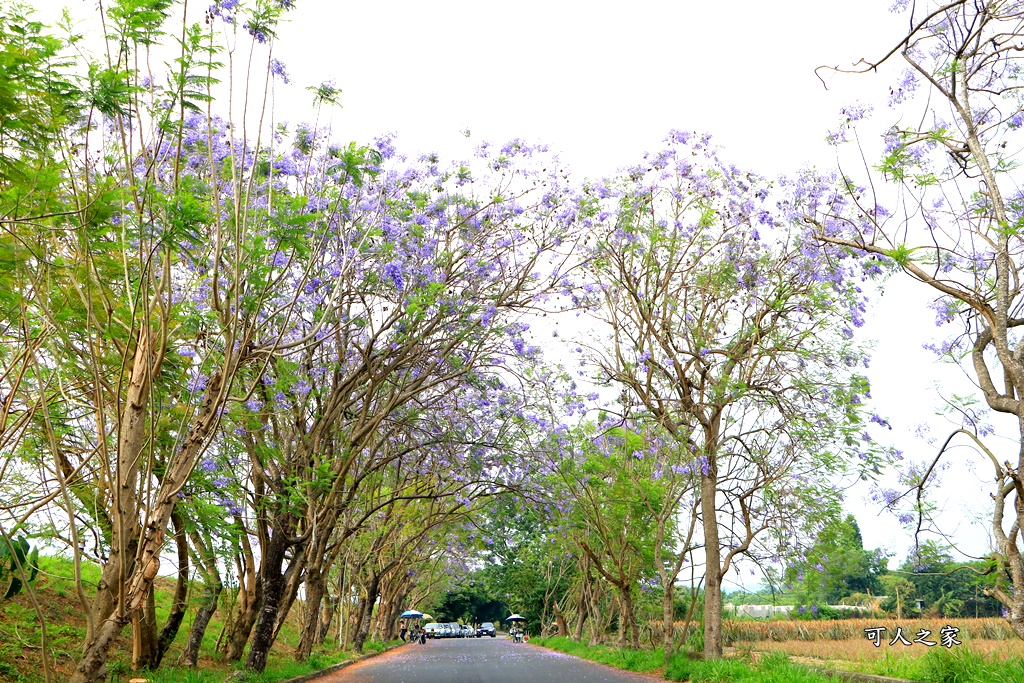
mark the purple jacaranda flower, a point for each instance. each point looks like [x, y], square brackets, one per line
[277, 69]
[393, 271]
[198, 383]
[255, 31]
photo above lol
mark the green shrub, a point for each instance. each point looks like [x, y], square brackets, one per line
[721, 671]
[678, 668]
[960, 665]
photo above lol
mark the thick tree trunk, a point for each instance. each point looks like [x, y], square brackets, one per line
[92, 667]
[363, 630]
[243, 626]
[331, 610]
[327, 613]
[387, 620]
[144, 638]
[139, 583]
[581, 620]
[622, 621]
[630, 616]
[713, 568]
[597, 621]
[355, 622]
[190, 656]
[293, 578]
[316, 586]
[584, 599]
[249, 594]
[668, 608]
[273, 584]
[177, 614]
[563, 627]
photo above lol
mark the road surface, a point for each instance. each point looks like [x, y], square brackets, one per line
[478, 660]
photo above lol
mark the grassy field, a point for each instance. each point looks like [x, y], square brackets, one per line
[20, 637]
[741, 631]
[796, 652]
[775, 668]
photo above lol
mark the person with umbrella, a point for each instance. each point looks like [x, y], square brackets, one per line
[409, 614]
[517, 629]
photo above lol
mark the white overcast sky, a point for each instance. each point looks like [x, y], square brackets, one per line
[603, 82]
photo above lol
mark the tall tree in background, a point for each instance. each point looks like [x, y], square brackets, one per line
[951, 161]
[837, 565]
[732, 332]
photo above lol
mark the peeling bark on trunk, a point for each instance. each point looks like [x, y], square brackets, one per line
[139, 583]
[124, 519]
[144, 638]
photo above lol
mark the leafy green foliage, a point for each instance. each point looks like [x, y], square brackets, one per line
[836, 566]
[946, 587]
[19, 562]
[37, 94]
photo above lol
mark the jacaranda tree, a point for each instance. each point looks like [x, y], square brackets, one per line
[953, 222]
[730, 329]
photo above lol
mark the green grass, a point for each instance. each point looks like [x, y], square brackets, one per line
[640, 661]
[939, 665]
[956, 665]
[775, 668]
[20, 636]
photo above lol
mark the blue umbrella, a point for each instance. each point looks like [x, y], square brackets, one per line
[411, 614]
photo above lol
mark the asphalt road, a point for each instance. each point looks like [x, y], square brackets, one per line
[478, 660]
